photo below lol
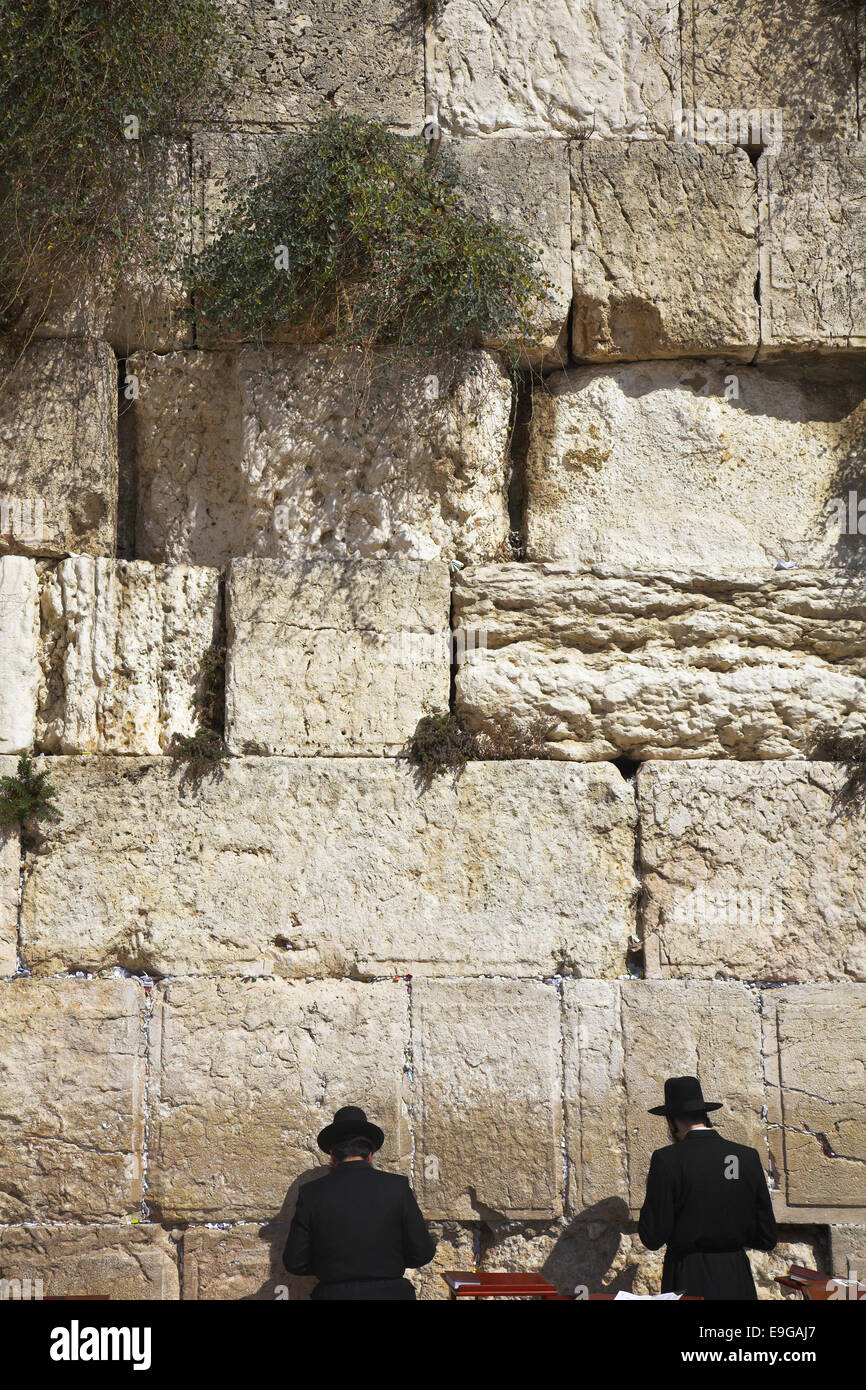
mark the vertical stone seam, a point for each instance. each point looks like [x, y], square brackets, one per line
[145, 1132]
[409, 1064]
[563, 1145]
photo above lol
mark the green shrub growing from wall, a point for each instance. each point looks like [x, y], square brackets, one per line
[73, 76]
[359, 234]
[27, 797]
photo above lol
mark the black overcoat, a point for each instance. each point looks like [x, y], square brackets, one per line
[357, 1229]
[707, 1200]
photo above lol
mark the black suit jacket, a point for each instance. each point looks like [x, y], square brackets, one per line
[357, 1223]
[707, 1194]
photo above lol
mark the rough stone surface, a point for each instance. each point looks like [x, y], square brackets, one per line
[356, 652]
[653, 466]
[751, 870]
[121, 1262]
[341, 866]
[813, 262]
[596, 1253]
[524, 184]
[19, 667]
[362, 58]
[800, 60]
[848, 1252]
[665, 250]
[815, 1046]
[10, 864]
[456, 1245]
[486, 1059]
[121, 650]
[242, 1263]
[666, 665]
[58, 448]
[292, 453]
[555, 67]
[141, 304]
[621, 1041]
[690, 1028]
[246, 1073]
[71, 1099]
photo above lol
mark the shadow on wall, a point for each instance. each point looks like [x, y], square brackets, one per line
[276, 1233]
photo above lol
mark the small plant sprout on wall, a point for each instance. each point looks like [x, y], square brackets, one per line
[26, 798]
[441, 743]
[363, 237]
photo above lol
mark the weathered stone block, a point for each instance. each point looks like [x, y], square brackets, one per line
[355, 653]
[486, 1057]
[247, 1072]
[71, 1099]
[665, 665]
[749, 870]
[679, 465]
[456, 1246]
[293, 453]
[362, 58]
[597, 1253]
[242, 1263]
[342, 866]
[690, 1028]
[524, 184]
[58, 449]
[121, 651]
[142, 302]
[621, 1041]
[118, 1262]
[815, 1048]
[848, 1252]
[665, 250]
[10, 866]
[798, 62]
[19, 668]
[557, 66]
[813, 261]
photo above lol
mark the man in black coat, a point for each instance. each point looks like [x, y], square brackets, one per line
[706, 1199]
[357, 1229]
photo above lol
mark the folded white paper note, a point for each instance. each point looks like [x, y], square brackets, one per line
[659, 1297]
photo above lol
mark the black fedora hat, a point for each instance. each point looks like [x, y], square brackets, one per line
[350, 1123]
[683, 1096]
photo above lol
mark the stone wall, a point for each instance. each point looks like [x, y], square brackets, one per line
[647, 537]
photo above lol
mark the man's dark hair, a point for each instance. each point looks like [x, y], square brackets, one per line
[351, 1148]
[697, 1117]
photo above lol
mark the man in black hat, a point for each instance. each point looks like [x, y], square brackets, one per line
[357, 1229]
[706, 1199]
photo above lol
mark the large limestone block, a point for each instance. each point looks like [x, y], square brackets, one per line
[665, 250]
[245, 1075]
[794, 64]
[10, 866]
[298, 63]
[813, 248]
[58, 448]
[342, 866]
[292, 452]
[19, 667]
[525, 185]
[486, 1058]
[679, 465]
[848, 1252]
[243, 1262]
[118, 1262]
[749, 870]
[121, 651]
[457, 1245]
[621, 1041]
[664, 665]
[594, 1095]
[139, 300]
[690, 1028]
[598, 1253]
[72, 1077]
[334, 657]
[815, 1047]
[556, 66]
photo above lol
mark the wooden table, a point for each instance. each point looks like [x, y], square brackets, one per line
[487, 1285]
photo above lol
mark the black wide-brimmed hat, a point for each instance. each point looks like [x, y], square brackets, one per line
[350, 1123]
[683, 1096]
